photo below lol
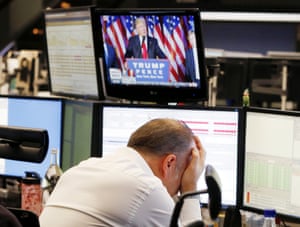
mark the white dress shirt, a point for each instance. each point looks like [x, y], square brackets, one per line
[117, 190]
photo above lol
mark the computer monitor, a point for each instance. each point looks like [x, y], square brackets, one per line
[218, 130]
[79, 132]
[30, 112]
[3, 110]
[170, 68]
[271, 166]
[71, 53]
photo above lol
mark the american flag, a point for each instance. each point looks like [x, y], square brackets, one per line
[170, 32]
[155, 30]
[189, 25]
[175, 43]
[113, 29]
[128, 22]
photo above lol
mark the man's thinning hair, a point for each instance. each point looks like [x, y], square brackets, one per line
[162, 136]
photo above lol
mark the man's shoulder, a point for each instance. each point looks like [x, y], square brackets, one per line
[152, 39]
[133, 38]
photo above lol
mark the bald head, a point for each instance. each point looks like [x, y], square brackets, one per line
[162, 136]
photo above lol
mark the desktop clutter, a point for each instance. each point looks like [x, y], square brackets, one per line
[18, 143]
[22, 197]
[23, 73]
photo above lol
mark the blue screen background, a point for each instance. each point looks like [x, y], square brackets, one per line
[35, 113]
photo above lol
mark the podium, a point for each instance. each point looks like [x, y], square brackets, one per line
[148, 70]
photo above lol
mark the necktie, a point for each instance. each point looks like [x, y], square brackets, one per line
[144, 48]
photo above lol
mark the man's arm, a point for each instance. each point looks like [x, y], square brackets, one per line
[133, 48]
[155, 49]
[194, 169]
[155, 210]
[129, 48]
[191, 210]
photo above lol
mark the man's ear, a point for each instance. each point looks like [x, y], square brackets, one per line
[168, 164]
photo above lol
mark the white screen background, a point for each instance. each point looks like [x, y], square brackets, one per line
[217, 130]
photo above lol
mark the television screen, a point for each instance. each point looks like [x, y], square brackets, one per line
[272, 145]
[218, 130]
[152, 55]
[32, 113]
[71, 53]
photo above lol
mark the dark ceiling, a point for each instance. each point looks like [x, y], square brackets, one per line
[26, 39]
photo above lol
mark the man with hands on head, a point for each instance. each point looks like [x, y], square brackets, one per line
[136, 185]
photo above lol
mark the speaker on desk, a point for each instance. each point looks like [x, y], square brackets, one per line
[23, 144]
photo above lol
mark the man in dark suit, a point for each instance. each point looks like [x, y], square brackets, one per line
[142, 45]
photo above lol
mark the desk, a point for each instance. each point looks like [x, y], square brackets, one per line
[220, 221]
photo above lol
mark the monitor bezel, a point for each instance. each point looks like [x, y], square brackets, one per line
[158, 94]
[284, 217]
[100, 95]
[239, 154]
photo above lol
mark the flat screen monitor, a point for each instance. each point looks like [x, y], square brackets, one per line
[152, 55]
[41, 113]
[77, 136]
[71, 53]
[218, 130]
[271, 177]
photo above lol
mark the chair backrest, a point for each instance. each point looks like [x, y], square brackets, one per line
[7, 218]
[233, 217]
[26, 218]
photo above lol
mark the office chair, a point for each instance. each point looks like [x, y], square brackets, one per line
[7, 218]
[233, 217]
[25, 217]
[214, 193]
[22, 144]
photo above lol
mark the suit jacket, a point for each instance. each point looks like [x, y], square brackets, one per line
[134, 48]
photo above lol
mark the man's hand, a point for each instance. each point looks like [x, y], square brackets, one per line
[194, 169]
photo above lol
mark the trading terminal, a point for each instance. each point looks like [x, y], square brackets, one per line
[90, 107]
